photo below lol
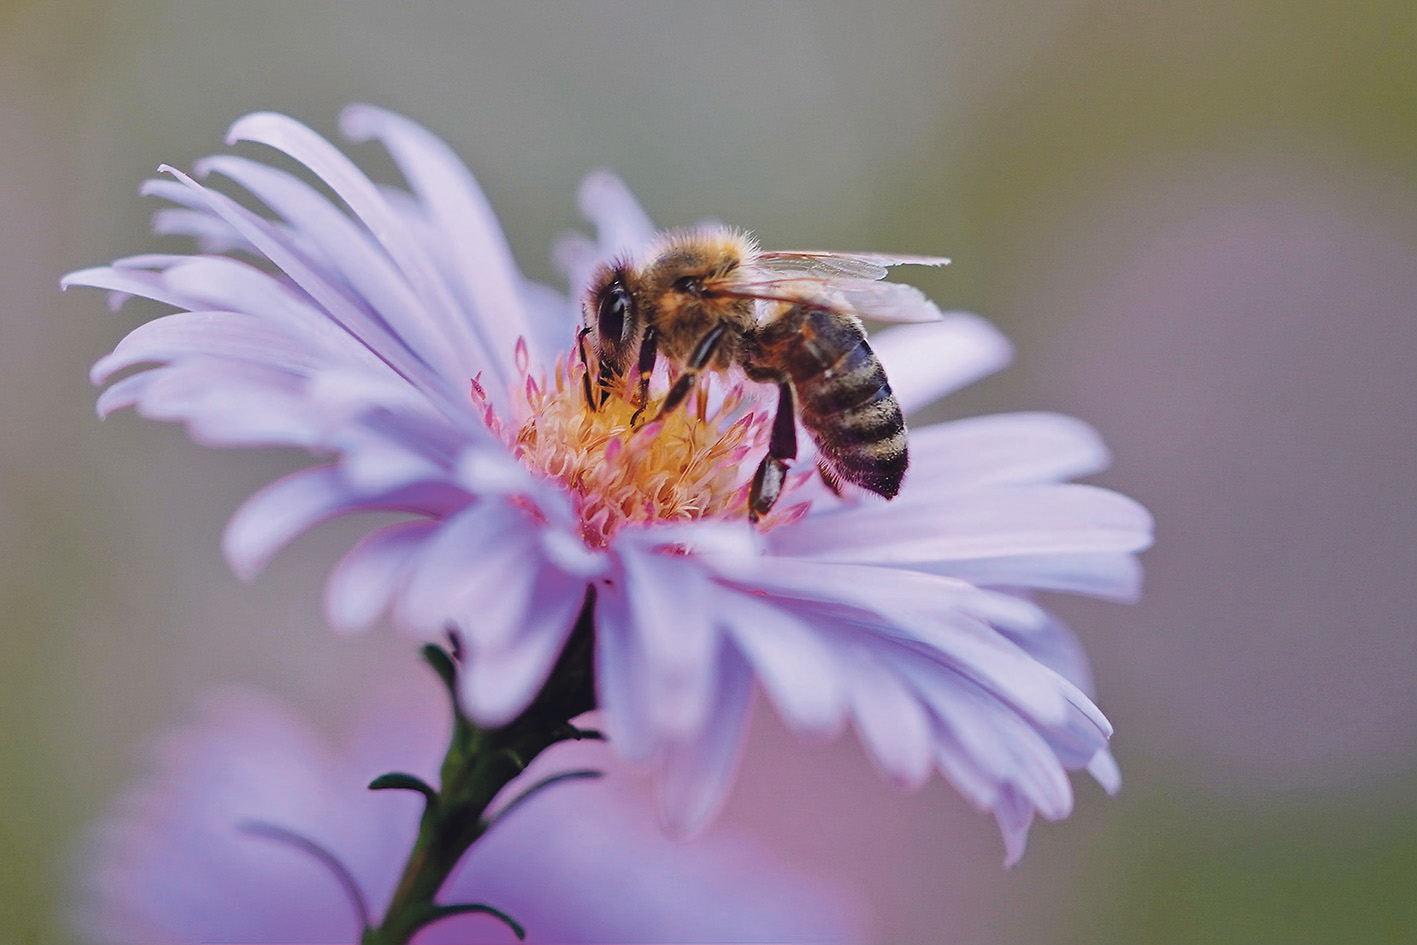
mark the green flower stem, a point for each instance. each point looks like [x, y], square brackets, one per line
[480, 762]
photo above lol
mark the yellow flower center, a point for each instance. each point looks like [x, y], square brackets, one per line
[622, 469]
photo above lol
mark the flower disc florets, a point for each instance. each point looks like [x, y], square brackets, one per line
[623, 463]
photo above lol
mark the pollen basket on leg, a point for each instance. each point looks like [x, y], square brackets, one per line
[688, 464]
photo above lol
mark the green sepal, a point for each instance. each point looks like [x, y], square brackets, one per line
[583, 774]
[402, 781]
[460, 908]
[442, 663]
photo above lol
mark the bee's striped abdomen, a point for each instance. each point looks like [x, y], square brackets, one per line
[844, 399]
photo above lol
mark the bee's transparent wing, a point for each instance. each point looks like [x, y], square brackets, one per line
[867, 298]
[823, 265]
[847, 282]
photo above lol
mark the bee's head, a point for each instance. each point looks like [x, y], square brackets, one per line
[612, 321]
[688, 282]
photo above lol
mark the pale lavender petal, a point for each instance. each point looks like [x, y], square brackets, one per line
[499, 682]
[362, 197]
[210, 233]
[1015, 816]
[925, 362]
[350, 251]
[1005, 749]
[622, 224]
[345, 311]
[980, 523]
[1004, 449]
[274, 516]
[455, 575]
[362, 586]
[213, 282]
[792, 661]
[127, 282]
[216, 282]
[305, 245]
[1103, 768]
[672, 607]
[697, 771]
[1111, 576]
[890, 717]
[620, 677]
[374, 463]
[225, 403]
[1056, 646]
[229, 334]
[962, 769]
[461, 213]
[124, 393]
[913, 605]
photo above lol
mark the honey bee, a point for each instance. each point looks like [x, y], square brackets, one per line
[709, 299]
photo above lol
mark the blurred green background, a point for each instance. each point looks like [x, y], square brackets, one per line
[1197, 221]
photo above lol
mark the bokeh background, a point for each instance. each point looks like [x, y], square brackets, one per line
[1197, 220]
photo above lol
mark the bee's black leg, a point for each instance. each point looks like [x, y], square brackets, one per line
[590, 397]
[649, 347]
[767, 481]
[698, 360]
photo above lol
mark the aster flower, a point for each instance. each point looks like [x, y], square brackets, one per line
[394, 335]
[177, 860]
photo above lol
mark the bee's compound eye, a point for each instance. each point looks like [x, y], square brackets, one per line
[610, 317]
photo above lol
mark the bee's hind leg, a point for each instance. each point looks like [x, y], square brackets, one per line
[767, 481]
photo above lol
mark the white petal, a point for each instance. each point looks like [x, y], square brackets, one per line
[925, 362]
